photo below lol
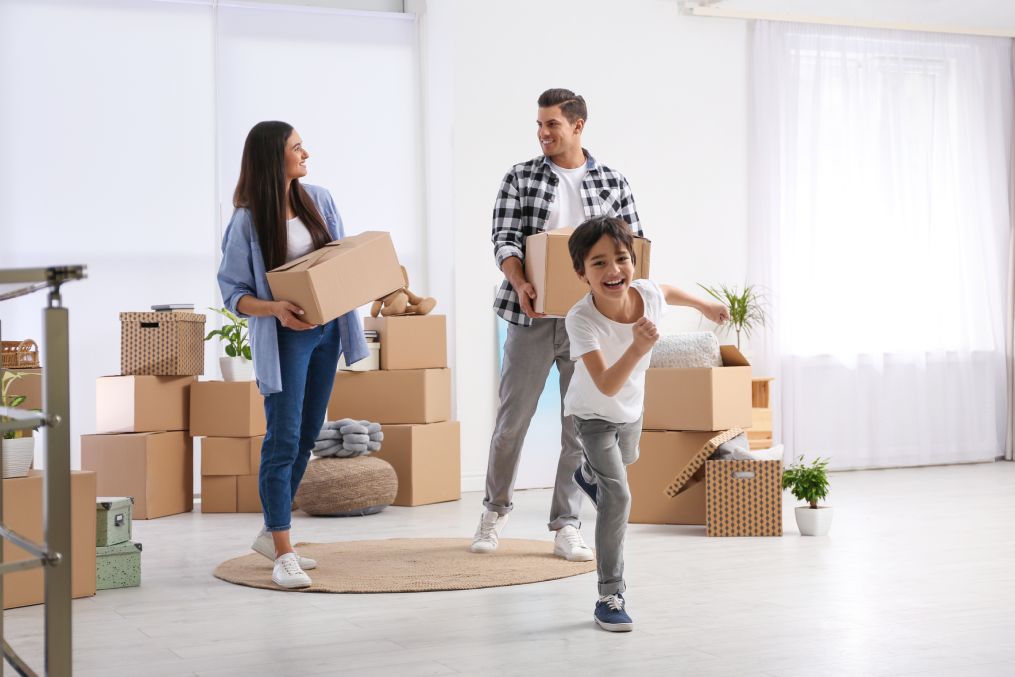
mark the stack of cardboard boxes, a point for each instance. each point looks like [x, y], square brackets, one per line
[684, 409]
[230, 418]
[142, 448]
[410, 396]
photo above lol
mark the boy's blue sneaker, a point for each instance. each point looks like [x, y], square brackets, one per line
[589, 489]
[611, 616]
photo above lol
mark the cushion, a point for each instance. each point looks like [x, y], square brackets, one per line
[344, 487]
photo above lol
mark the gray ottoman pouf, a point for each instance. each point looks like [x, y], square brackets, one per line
[347, 487]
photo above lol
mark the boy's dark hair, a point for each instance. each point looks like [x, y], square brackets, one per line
[585, 237]
[571, 105]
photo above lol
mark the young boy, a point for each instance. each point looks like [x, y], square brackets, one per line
[612, 331]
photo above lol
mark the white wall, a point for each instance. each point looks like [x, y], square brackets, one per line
[667, 107]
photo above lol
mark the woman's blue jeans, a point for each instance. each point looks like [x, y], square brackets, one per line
[308, 360]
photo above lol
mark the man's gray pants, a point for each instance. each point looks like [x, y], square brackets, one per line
[529, 352]
[609, 449]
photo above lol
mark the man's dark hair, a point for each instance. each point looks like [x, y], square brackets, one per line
[585, 237]
[571, 105]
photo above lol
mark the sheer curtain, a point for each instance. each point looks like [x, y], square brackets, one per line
[880, 172]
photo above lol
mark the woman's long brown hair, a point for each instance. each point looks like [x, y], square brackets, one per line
[261, 189]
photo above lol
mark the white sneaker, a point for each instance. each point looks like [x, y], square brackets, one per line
[264, 545]
[488, 532]
[568, 543]
[287, 572]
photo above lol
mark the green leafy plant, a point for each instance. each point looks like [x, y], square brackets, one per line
[746, 306]
[11, 401]
[807, 482]
[233, 334]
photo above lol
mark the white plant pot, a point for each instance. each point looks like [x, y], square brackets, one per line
[236, 369]
[17, 456]
[814, 521]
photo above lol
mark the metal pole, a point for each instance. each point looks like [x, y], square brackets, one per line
[57, 515]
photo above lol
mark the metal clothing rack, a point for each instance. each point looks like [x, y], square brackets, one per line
[54, 555]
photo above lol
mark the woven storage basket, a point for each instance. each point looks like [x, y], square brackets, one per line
[19, 354]
[162, 344]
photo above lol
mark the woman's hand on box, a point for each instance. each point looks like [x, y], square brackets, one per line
[288, 315]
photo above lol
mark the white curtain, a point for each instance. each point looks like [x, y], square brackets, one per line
[880, 173]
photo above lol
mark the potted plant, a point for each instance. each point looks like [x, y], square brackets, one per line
[746, 306]
[18, 445]
[238, 364]
[809, 482]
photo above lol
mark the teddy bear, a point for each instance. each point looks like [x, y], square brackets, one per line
[402, 302]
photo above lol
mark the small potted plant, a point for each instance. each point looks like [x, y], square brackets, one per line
[809, 482]
[18, 445]
[746, 307]
[238, 364]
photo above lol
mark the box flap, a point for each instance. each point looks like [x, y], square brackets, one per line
[683, 480]
[731, 357]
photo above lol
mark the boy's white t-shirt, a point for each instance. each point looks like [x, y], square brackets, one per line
[589, 330]
[299, 241]
[567, 208]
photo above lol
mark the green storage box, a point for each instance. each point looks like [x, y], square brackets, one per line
[118, 566]
[112, 520]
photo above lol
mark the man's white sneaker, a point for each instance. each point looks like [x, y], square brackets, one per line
[264, 545]
[568, 543]
[287, 572]
[488, 532]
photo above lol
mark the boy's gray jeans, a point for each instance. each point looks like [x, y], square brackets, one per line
[609, 449]
[529, 352]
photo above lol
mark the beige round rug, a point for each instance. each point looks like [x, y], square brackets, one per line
[411, 565]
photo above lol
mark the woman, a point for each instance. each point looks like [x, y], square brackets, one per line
[278, 219]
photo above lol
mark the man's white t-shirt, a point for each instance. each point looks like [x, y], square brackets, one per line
[567, 208]
[299, 241]
[589, 330]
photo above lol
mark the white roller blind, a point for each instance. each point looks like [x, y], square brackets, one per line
[348, 83]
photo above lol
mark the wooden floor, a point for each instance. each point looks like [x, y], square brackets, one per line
[916, 578]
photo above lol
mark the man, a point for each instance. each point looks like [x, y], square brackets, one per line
[562, 187]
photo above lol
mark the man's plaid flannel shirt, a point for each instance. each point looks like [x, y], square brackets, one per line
[523, 206]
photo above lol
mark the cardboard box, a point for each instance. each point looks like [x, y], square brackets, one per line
[743, 498]
[339, 277]
[157, 469]
[427, 460]
[29, 385]
[226, 409]
[411, 341]
[140, 404]
[663, 454]
[231, 455]
[218, 493]
[371, 362]
[23, 508]
[229, 493]
[549, 268]
[389, 397]
[706, 398]
[162, 344]
[248, 497]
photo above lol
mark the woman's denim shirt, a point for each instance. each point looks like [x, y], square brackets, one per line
[242, 272]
